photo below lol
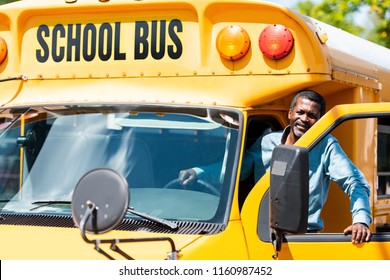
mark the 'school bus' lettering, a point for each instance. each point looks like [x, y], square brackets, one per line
[89, 42]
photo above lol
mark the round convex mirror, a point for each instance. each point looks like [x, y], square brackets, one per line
[109, 192]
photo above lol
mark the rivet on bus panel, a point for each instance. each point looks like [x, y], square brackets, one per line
[3, 50]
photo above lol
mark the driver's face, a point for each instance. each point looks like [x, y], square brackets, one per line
[303, 116]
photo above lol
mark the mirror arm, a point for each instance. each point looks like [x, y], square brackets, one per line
[277, 240]
[101, 251]
[172, 255]
[115, 248]
[91, 211]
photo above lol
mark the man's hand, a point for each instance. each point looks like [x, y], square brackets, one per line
[360, 233]
[187, 177]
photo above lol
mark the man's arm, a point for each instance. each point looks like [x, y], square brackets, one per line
[210, 173]
[352, 181]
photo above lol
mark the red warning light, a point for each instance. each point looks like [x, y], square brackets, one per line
[276, 41]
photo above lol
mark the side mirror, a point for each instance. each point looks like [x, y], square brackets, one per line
[100, 201]
[289, 189]
[99, 204]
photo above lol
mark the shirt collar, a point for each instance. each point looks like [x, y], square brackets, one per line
[286, 131]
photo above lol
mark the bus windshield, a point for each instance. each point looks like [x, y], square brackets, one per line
[44, 151]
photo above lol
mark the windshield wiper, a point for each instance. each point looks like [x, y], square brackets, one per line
[131, 210]
[159, 221]
[48, 202]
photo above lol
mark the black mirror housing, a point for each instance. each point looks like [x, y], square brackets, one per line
[289, 189]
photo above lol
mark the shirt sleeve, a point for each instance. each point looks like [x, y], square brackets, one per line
[351, 180]
[258, 157]
[247, 164]
[210, 173]
[255, 160]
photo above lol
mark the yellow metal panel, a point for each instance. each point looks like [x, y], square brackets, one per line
[235, 91]
[55, 243]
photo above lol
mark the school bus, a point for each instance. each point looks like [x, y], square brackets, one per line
[104, 102]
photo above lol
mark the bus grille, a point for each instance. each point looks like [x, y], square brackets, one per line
[65, 221]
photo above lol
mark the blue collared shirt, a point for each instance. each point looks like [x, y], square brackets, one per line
[327, 161]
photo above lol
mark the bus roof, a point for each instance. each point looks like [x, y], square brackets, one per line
[348, 52]
[166, 52]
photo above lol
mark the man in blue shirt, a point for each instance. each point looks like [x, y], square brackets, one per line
[327, 162]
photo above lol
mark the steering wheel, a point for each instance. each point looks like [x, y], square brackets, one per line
[175, 184]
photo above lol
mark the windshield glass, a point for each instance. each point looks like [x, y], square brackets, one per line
[45, 151]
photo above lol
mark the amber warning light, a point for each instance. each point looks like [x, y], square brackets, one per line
[233, 42]
[3, 50]
[276, 41]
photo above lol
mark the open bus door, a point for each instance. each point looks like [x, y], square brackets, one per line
[274, 213]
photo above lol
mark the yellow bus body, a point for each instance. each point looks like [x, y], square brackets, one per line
[48, 64]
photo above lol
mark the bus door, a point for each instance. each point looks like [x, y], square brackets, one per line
[369, 149]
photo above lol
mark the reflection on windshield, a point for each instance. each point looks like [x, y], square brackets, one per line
[44, 154]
